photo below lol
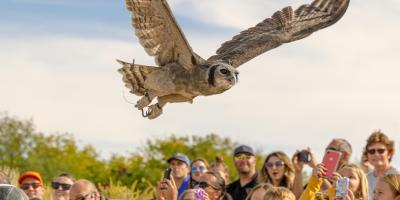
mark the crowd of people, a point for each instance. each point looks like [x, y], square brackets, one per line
[280, 177]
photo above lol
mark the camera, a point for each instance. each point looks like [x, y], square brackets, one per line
[304, 156]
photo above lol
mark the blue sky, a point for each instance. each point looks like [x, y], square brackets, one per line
[339, 82]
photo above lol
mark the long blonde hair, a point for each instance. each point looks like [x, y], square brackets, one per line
[363, 187]
[288, 176]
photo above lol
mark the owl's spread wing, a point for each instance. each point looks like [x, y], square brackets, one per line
[159, 33]
[284, 26]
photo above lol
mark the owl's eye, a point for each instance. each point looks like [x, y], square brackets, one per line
[224, 71]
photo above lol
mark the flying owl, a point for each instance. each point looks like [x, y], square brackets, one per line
[182, 75]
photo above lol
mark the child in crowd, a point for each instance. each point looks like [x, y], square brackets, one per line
[279, 193]
[358, 186]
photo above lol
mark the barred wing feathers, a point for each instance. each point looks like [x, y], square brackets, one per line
[159, 33]
[283, 27]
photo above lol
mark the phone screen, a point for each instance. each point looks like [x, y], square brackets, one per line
[331, 161]
[167, 173]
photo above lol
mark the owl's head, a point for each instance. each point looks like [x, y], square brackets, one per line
[221, 75]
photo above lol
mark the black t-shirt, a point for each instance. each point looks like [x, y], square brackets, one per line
[238, 192]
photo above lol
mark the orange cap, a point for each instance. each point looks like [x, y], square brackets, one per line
[30, 174]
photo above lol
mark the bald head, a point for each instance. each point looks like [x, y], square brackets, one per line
[83, 188]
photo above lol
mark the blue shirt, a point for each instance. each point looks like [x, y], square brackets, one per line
[185, 185]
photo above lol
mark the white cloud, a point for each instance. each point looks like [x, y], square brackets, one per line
[339, 82]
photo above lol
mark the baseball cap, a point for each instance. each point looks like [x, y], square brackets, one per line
[179, 156]
[243, 149]
[30, 174]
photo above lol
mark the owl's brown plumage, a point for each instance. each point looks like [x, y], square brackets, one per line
[182, 75]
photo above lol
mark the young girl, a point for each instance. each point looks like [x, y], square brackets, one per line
[279, 193]
[358, 185]
[387, 187]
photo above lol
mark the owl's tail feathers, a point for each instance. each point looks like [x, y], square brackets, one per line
[134, 76]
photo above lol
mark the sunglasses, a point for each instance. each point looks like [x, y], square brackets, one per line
[26, 186]
[278, 163]
[201, 168]
[64, 186]
[243, 156]
[373, 151]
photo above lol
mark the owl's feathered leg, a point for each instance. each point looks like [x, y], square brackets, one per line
[155, 110]
[145, 101]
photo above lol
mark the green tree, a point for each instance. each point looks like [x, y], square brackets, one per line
[23, 148]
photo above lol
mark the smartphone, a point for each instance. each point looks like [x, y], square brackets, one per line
[342, 186]
[304, 156]
[167, 173]
[200, 194]
[331, 162]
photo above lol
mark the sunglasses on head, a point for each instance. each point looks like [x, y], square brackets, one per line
[202, 185]
[243, 156]
[373, 151]
[201, 168]
[332, 148]
[278, 163]
[64, 186]
[26, 186]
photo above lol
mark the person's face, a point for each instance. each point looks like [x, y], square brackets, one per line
[382, 191]
[179, 169]
[209, 179]
[275, 168]
[378, 154]
[258, 194]
[32, 188]
[198, 168]
[61, 187]
[83, 192]
[245, 163]
[189, 196]
[351, 173]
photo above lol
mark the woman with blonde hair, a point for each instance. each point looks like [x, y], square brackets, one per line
[279, 193]
[387, 187]
[277, 170]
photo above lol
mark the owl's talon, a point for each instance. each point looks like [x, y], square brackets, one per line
[154, 111]
[143, 114]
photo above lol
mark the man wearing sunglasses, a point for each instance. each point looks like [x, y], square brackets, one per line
[61, 186]
[84, 190]
[32, 184]
[245, 163]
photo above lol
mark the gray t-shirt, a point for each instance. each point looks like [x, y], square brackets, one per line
[371, 178]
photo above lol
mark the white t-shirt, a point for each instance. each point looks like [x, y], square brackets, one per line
[371, 178]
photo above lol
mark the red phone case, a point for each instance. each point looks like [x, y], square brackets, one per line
[331, 161]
